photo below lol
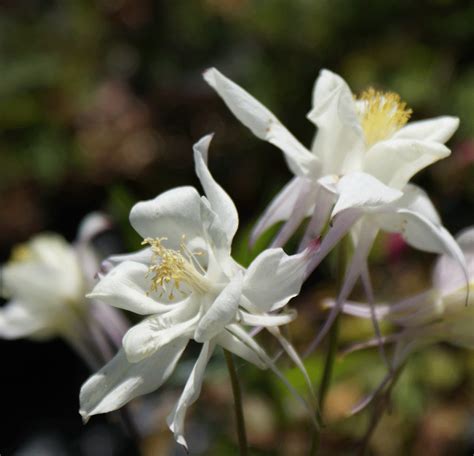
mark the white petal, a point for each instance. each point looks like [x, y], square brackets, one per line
[263, 123]
[231, 343]
[361, 190]
[273, 278]
[48, 276]
[266, 319]
[221, 203]
[447, 276]
[126, 287]
[140, 256]
[149, 336]
[300, 210]
[119, 381]
[190, 393]
[282, 205]
[92, 225]
[352, 273]
[339, 142]
[417, 200]
[341, 225]
[421, 233]
[171, 214]
[18, 320]
[394, 162]
[322, 210]
[222, 311]
[439, 129]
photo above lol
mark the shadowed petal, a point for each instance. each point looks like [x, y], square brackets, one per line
[119, 381]
[222, 311]
[126, 287]
[190, 393]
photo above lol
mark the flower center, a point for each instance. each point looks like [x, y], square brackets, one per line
[381, 114]
[20, 253]
[173, 268]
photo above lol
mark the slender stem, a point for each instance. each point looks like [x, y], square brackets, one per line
[239, 413]
[379, 408]
[329, 363]
[331, 348]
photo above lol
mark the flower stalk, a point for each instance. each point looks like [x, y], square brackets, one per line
[238, 408]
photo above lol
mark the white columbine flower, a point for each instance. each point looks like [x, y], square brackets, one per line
[356, 173]
[440, 313]
[46, 281]
[189, 288]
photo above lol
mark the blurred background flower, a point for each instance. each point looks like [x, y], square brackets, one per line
[101, 102]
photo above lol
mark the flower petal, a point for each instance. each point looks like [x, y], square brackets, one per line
[252, 319]
[447, 276]
[304, 202]
[221, 312]
[171, 214]
[126, 287]
[119, 381]
[353, 271]
[221, 203]
[339, 142]
[360, 190]
[423, 234]
[190, 393]
[147, 337]
[19, 320]
[282, 205]
[396, 161]
[263, 123]
[273, 278]
[439, 129]
[231, 343]
[321, 213]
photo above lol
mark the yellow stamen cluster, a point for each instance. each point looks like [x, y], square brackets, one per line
[20, 253]
[381, 115]
[172, 268]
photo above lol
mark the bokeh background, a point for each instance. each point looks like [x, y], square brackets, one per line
[100, 103]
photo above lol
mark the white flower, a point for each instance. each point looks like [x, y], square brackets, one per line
[440, 313]
[46, 288]
[362, 157]
[189, 288]
[356, 173]
[46, 280]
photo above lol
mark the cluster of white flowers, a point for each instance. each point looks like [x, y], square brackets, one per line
[354, 181]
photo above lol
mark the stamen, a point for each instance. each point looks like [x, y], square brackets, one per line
[20, 253]
[381, 114]
[172, 268]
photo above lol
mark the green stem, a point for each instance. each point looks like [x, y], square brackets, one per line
[239, 413]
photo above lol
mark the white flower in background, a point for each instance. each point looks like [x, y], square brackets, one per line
[46, 281]
[437, 314]
[189, 288]
[356, 173]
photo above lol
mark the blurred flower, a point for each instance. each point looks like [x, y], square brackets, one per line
[437, 314]
[356, 174]
[46, 280]
[191, 289]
